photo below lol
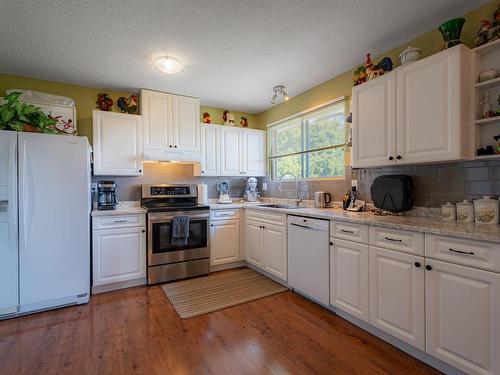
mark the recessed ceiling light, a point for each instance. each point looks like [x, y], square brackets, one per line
[168, 64]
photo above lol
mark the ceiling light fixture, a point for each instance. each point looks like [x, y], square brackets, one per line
[279, 95]
[168, 64]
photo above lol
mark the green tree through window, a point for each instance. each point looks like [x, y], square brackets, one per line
[310, 146]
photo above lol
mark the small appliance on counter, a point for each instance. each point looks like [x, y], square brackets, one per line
[393, 193]
[322, 199]
[223, 189]
[251, 192]
[106, 195]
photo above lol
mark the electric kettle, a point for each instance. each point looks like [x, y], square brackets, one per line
[321, 199]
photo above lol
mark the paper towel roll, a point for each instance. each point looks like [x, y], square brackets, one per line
[202, 194]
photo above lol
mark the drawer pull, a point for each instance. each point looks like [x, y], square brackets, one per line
[120, 221]
[393, 239]
[347, 231]
[462, 252]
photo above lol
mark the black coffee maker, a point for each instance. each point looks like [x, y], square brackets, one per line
[106, 195]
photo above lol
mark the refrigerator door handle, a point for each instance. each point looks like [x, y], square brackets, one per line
[12, 190]
[25, 203]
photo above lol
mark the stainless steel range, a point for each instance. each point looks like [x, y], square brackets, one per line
[167, 259]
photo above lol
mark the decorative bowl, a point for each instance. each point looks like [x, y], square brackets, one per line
[410, 54]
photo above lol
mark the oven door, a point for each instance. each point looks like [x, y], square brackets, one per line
[161, 250]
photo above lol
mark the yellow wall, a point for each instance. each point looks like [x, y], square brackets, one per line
[341, 85]
[85, 98]
[216, 114]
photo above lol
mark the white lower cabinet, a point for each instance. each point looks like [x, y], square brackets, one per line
[275, 250]
[224, 241]
[119, 252]
[463, 317]
[397, 295]
[253, 243]
[266, 243]
[349, 288]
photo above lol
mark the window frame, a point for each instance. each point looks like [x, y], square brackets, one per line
[302, 118]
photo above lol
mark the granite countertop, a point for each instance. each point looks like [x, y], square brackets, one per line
[123, 208]
[417, 224]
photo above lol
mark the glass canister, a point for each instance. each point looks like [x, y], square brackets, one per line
[465, 211]
[449, 211]
[486, 210]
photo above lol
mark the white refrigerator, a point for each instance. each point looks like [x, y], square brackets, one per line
[44, 222]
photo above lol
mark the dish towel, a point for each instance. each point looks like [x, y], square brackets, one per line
[180, 230]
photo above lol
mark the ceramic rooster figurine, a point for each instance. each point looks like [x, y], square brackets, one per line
[482, 35]
[127, 105]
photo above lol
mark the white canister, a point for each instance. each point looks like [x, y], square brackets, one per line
[465, 211]
[202, 194]
[486, 210]
[449, 211]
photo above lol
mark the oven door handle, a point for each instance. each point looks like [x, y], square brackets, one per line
[162, 218]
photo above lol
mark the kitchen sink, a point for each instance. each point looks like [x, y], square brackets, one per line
[286, 206]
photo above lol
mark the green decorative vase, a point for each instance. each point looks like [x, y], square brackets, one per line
[451, 30]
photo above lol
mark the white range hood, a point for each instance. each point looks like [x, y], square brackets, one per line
[163, 155]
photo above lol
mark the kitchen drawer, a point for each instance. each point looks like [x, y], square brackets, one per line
[478, 254]
[224, 214]
[118, 221]
[349, 231]
[400, 240]
[267, 217]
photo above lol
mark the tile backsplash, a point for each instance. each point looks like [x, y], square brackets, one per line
[129, 188]
[434, 184]
[440, 183]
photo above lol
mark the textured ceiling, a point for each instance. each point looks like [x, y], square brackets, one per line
[234, 51]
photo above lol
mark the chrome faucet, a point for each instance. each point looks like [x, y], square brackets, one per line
[297, 199]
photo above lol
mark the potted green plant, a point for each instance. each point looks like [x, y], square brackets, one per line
[18, 116]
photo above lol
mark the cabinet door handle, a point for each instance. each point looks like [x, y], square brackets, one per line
[428, 267]
[399, 157]
[144, 231]
[170, 146]
[175, 146]
[120, 221]
[347, 231]
[417, 264]
[140, 170]
[462, 252]
[391, 157]
[202, 171]
[211, 225]
[393, 239]
[331, 243]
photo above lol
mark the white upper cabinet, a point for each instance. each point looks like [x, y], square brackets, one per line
[156, 109]
[421, 112]
[374, 122]
[463, 317]
[186, 124]
[171, 126]
[432, 107]
[230, 151]
[210, 151]
[253, 152]
[117, 144]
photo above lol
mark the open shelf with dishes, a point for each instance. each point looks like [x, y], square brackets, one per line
[487, 100]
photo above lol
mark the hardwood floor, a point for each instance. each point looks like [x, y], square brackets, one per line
[137, 331]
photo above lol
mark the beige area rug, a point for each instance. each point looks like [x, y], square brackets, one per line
[219, 291]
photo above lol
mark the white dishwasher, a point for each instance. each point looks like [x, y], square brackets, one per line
[309, 257]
